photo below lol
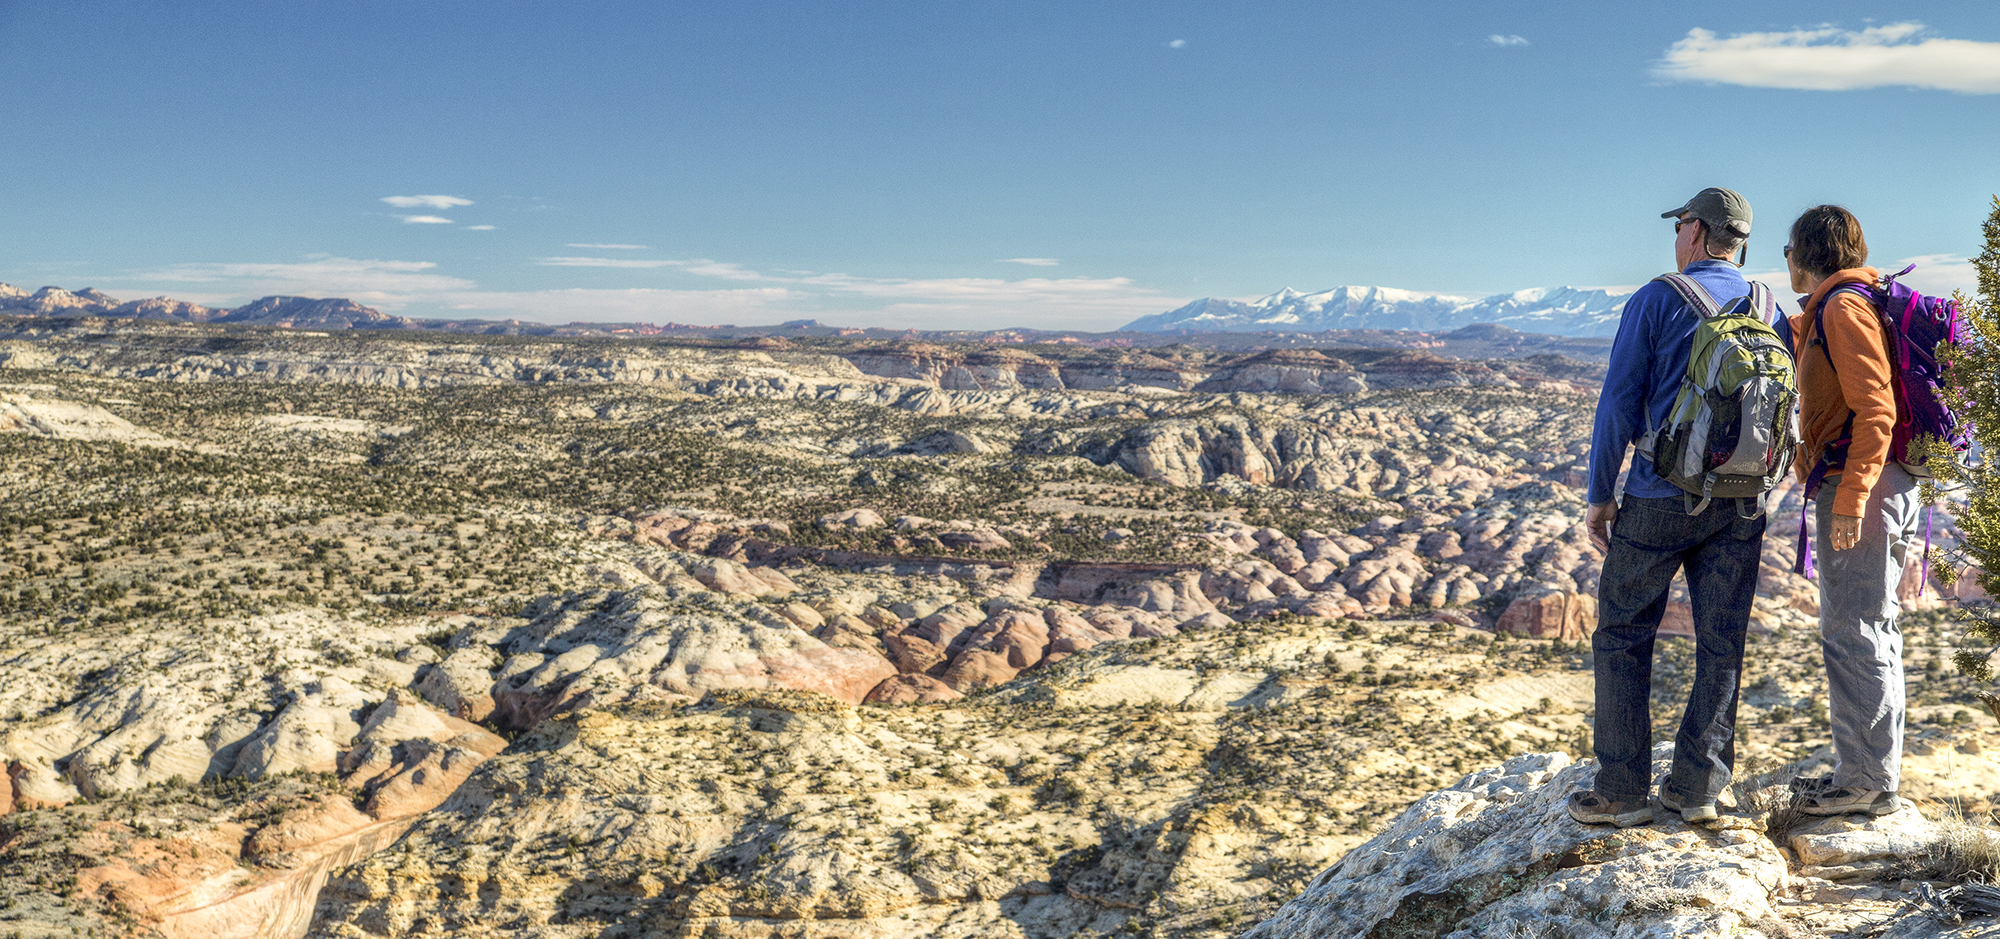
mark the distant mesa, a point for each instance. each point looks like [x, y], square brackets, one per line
[1561, 311]
[300, 312]
[1571, 321]
[306, 312]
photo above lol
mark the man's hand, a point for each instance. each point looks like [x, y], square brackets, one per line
[1599, 524]
[1846, 532]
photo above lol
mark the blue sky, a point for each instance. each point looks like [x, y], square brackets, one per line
[959, 164]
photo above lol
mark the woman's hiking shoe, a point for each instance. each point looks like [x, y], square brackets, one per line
[1812, 785]
[1705, 812]
[1845, 801]
[1593, 809]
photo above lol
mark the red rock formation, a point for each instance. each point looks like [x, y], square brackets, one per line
[1553, 615]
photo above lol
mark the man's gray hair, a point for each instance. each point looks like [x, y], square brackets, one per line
[1724, 243]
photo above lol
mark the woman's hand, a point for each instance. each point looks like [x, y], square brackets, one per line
[1846, 532]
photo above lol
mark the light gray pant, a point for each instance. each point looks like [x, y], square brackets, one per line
[1857, 628]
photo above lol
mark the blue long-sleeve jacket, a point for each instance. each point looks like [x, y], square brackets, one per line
[1648, 358]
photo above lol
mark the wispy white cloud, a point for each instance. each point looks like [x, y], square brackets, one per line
[426, 202]
[702, 267]
[388, 284]
[1827, 58]
[933, 303]
[1031, 262]
[574, 244]
[1177, 44]
[478, 228]
[424, 220]
[1506, 40]
[746, 297]
[1937, 274]
[727, 270]
[609, 262]
[743, 306]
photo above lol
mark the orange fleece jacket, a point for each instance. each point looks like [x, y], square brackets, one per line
[1859, 382]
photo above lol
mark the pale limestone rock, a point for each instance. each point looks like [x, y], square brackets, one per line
[944, 627]
[802, 616]
[308, 734]
[1177, 594]
[726, 576]
[1131, 624]
[976, 539]
[911, 689]
[1211, 620]
[1850, 839]
[68, 420]
[587, 647]
[856, 519]
[1497, 853]
[462, 684]
[408, 758]
[1385, 577]
[37, 785]
[979, 668]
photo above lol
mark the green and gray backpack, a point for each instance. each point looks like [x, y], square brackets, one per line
[1733, 427]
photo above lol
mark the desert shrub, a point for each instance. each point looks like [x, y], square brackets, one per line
[1973, 388]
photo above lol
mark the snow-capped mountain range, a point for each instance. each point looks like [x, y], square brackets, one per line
[1562, 311]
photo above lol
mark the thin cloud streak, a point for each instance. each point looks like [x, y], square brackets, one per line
[1936, 274]
[1832, 59]
[1507, 40]
[574, 244]
[745, 306]
[608, 262]
[424, 220]
[388, 284]
[416, 288]
[426, 202]
[1032, 262]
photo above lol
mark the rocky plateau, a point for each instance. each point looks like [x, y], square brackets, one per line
[395, 633]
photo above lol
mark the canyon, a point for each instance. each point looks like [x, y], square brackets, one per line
[387, 632]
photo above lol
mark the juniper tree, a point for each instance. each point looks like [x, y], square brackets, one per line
[1972, 380]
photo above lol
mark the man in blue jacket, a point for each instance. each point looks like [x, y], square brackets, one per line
[1650, 535]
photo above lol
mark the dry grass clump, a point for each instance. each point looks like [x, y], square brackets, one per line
[1766, 797]
[1964, 852]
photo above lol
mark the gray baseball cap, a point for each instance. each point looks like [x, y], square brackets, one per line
[1716, 208]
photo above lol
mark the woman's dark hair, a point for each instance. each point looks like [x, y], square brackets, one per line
[1827, 238]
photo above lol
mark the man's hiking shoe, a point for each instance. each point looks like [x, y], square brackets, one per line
[1845, 801]
[1593, 809]
[1705, 812]
[1812, 785]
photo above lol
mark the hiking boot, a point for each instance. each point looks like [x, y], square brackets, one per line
[1812, 785]
[1705, 812]
[1845, 801]
[1593, 809]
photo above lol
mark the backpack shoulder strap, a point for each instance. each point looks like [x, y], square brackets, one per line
[1762, 303]
[1758, 303]
[1694, 293]
[1819, 315]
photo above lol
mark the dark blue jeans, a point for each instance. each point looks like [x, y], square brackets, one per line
[1719, 549]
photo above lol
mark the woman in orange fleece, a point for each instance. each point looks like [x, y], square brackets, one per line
[1865, 512]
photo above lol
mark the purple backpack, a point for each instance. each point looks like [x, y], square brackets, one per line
[1913, 326]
